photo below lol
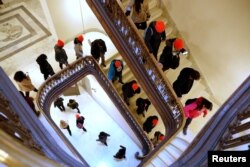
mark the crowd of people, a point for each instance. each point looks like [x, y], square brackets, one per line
[154, 34]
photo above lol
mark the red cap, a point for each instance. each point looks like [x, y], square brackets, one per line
[80, 38]
[154, 122]
[78, 116]
[178, 44]
[161, 137]
[118, 63]
[159, 26]
[135, 86]
[60, 43]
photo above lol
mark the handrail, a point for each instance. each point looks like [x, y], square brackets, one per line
[144, 67]
[67, 77]
[211, 136]
[23, 125]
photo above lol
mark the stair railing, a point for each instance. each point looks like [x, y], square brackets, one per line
[70, 75]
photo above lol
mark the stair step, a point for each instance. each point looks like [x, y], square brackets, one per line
[174, 152]
[168, 159]
[157, 162]
[180, 143]
[150, 165]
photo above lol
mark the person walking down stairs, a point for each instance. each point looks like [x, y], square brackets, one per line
[150, 123]
[79, 122]
[154, 35]
[158, 137]
[73, 105]
[24, 83]
[121, 153]
[65, 125]
[170, 57]
[45, 68]
[78, 46]
[194, 108]
[60, 54]
[184, 82]
[140, 13]
[115, 71]
[98, 50]
[59, 103]
[129, 89]
[142, 105]
[102, 137]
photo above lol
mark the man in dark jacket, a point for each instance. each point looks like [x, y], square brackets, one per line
[98, 49]
[115, 71]
[142, 105]
[154, 34]
[129, 89]
[59, 103]
[60, 54]
[185, 81]
[73, 105]
[45, 67]
[102, 137]
[150, 123]
[121, 153]
[170, 56]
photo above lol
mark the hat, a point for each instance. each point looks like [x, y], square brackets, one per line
[60, 43]
[161, 137]
[159, 26]
[135, 86]
[80, 38]
[178, 44]
[78, 116]
[118, 63]
[155, 121]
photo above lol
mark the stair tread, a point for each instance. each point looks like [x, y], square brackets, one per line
[168, 159]
[157, 162]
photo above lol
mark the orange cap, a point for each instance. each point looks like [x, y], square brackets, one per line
[159, 26]
[135, 86]
[161, 137]
[178, 44]
[80, 38]
[60, 43]
[155, 121]
[78, 116]
[118, 63]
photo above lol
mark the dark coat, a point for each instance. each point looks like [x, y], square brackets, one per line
[167, 59]
[45, 67]
[98, 46]
[60, 55]
[127, 89]
[142, 105]
[73, 105]
[148, 124]
[80, 120]
[153, 38]
[121, 153]
[58, 102]
[184, 83]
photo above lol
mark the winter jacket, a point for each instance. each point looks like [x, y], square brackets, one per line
[148, 124]
[167, 58]
[142, 105]
[113, 70]
[58, 102]
[191, 111]
[80, 120]
[60, 55]
[78, 50]
[183, 84]
[127, 89]
[73, 105]
[153, 38]
[45, 67]
[142, 15]
[98, 48]
[26, 85]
